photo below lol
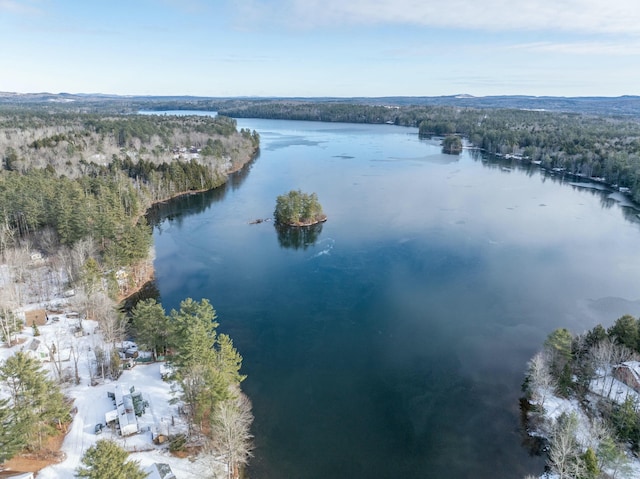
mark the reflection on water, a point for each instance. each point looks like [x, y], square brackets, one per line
[298, 237]
[196, 203]
[391, 341]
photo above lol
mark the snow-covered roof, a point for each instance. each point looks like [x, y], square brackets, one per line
[160, 471]
[633, 366]
[126, 412]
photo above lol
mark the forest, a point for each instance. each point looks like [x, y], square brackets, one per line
[78, 176]
[587, 137]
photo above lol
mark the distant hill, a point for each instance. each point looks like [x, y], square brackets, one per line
[609, 106]
[622, 105]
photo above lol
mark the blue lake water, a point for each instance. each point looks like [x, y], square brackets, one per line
[391, 341]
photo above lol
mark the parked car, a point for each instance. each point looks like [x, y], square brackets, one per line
[98, 428]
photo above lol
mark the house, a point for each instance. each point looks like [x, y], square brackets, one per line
[35, 316]
[124, 413]
[159, 471]
[629, 373]
[36, 258]
[37, 350]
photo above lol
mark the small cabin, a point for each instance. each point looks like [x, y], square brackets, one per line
[35, 316]
[628, 373]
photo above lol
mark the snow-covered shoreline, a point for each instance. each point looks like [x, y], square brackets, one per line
[549, 408]
[92, 402]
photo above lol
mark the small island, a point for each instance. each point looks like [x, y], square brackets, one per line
[452, 145]
[298, 209]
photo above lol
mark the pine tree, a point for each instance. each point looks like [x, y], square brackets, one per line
[151, 325]
[11, 439]
[195, 327]
[115, 364]
[591, 464]
[39, 406]
[206, 365]
[107, 460]
[228, 360]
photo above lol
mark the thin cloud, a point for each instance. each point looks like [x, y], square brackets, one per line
[20, 8]
[583, 16]
[581, 48]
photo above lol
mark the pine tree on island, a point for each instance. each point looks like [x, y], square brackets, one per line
[452, 145]
[298, 209]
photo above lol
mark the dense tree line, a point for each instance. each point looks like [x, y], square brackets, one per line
[67, 142]
[325, 111]
[89, 176]
[102, 207]
[607, 148]
[581, 367]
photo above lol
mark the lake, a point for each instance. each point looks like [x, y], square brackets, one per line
[391, 341]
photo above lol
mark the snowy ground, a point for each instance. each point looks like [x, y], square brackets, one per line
[92, 402]
[604, 386]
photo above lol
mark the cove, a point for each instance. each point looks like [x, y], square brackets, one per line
[391, 340]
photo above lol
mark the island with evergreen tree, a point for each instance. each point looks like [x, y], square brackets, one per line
[298, 209]
[452, 145]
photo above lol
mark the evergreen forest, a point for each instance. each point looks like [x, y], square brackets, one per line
[78, 176]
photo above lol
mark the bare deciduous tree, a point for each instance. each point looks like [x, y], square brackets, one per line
[82, 250]
[75, 356]
[541, 382]
[10, 324]
[231, 435]
[112, 323]
[55, 351]
[7, 236]
[564, 452]
[606, 354]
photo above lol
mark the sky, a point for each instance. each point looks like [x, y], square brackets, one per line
[312, 48]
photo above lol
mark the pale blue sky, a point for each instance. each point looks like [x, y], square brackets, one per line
[321, 47]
